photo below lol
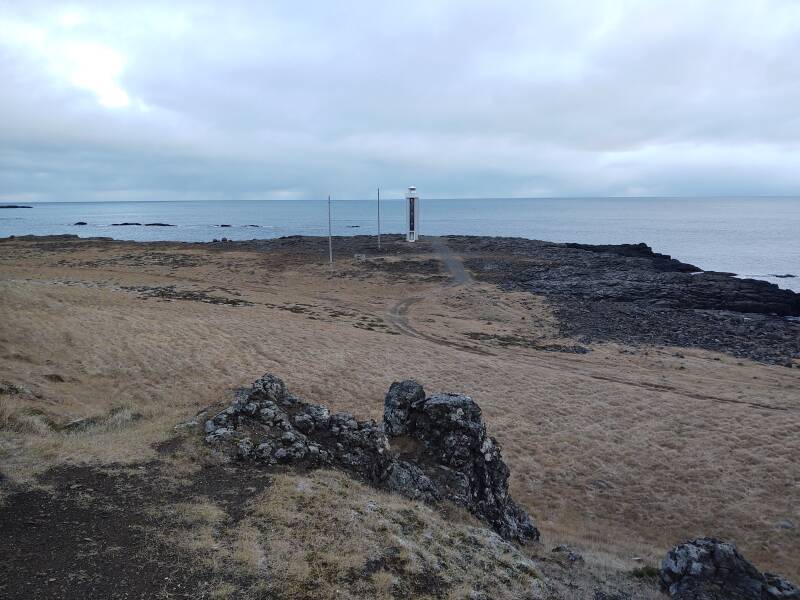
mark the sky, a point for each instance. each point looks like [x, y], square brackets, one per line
[249, 100]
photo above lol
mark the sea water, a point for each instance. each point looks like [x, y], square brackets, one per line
[752, 237]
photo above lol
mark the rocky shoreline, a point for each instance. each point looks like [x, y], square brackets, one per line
[631, 295]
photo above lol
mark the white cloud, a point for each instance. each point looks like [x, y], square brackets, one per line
[464, 98]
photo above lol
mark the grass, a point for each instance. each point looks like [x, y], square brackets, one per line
[327, 536]
[646, 572]
[615, 453]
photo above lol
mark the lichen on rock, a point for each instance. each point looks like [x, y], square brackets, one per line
[710, 569]
[428, 448]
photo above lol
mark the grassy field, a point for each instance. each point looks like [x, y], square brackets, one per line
[622, 451]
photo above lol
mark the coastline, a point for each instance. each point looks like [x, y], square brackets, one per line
[623, 450]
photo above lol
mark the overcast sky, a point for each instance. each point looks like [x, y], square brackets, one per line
[234, 99]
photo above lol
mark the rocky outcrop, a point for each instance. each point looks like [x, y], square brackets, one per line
[710, 569]
[428, 448]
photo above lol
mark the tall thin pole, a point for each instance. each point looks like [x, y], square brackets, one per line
[379, 218]
[330, 239]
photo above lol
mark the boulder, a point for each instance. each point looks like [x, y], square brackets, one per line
[427, 448]
[466, 464]
[710, 569]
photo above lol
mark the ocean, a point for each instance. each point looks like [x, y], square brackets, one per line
[752, 237]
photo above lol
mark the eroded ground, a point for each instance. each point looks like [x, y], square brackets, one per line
[624, 449]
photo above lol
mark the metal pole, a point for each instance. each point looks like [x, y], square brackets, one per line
[330, 239]
[379, 218]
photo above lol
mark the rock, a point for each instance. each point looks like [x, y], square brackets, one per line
[80, 223]
[409, 480]
[469, 467]
[158, 225]
[397, 404]
[245, 447]
[630, 295]
[785, 524]
[710, 569]
[603, 595]
[304, 423]
[443, 450]
[124, 224]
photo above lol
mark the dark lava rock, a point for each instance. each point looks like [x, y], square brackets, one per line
[124, 224]
[158, 225]
[80, 223]
[225, 225]
[709, 569]
[603, 595]
[446, 431]
[631, 295]
[436, 448]
[14, 206]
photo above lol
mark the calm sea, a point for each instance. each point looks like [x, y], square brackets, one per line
[753, 237]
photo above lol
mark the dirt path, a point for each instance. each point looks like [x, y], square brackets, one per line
[398, 314]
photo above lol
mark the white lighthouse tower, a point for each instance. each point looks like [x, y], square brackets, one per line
[412, 214]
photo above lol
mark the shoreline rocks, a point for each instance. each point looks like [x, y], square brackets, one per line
[631, 295]
[428, 448]
[710, 569]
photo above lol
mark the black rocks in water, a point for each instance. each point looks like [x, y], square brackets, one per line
[80, 223]
[225, 225]
[14, 206]
[158, 225]
[784, 276]
[124, 224]
[428, 448]
[710, 569]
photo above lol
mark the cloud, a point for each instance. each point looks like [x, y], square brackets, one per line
[242, 100]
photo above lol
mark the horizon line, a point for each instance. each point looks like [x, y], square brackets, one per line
[422, 197]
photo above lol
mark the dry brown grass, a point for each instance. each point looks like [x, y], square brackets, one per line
[627, 452]
[327, 536]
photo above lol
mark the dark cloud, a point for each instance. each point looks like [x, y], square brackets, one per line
[236, 99]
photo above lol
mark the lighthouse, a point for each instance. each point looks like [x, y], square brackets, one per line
[412, 214]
